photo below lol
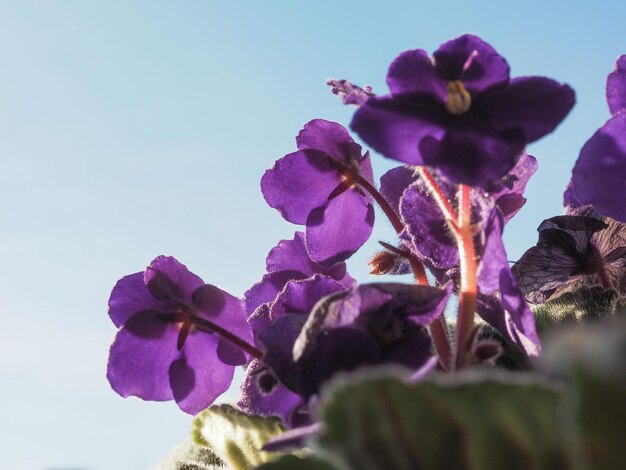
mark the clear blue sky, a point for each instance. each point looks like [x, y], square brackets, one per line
[132, 129]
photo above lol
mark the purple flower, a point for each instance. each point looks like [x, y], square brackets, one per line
[287, 261]
[573, 251]
[176, 336]
[459, 112]
[599, 175]
[371, 324]
[318, 186]
[616, 87]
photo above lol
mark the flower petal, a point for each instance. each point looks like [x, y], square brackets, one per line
[599, 175]
[168, 279]
[471, 60]
[426, 229]
[301, 296]
[394, 182]
[395, 129]
[616, 86]
[130, 296]
[198, 377]
[532, 105]
[298, 183]
[268, 288]
[472, 152]
[141, 355]
[334, 232]
[412, 75]
[328, 137]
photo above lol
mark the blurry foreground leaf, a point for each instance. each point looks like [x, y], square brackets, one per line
[594, 358]
[291, 462]
[235, 437]
[489, 422]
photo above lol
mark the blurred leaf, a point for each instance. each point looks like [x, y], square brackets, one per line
[479, 422]
[235, 437]
[290, 462]
[190, 456]
[593, 357]
[582, 304]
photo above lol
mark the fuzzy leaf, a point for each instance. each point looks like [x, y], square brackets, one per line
[190, 456]
[580, 305]
[291, 462]
[235, 437]
[592, 357]
[479, 422]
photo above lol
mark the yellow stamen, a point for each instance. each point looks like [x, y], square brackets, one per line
[459, 99]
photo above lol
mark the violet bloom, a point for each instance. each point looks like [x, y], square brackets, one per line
[318, 186]
[287, 261]
[178, 337]
[262, 392]
[599, 175]
[368, 325]
[459, 111]
[573, 251]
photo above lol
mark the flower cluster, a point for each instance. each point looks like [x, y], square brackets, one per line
[459, 126]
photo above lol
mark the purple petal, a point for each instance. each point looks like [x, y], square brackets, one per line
[395, 129]
[494, 257]
[292, 255]
[532, 105]
[268, 288]
[301, 296]
[293, 438]
[426, 229]
[616, 86]
[298, 183]
[328, 137]
[337, 230]
[263, 394]
[222, 309]
[394, 182]
[472, 152]
[471, 60]
[141, 355]
[425, 369]
[599, 175]
[412, 75]
[168, 279]
[509, 191]
[198, 377]
[522, 320]
[129, 296]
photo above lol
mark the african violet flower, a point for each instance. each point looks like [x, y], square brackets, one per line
[293, 283]
[459, 111]
[173, 341]
[369, 324]
[318, 185]
[599, 175]
[573, 251]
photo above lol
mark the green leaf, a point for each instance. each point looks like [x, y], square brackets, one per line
[190, 456]
[291, 462]
[235, 437]
[486, 422]
[580, 305]
[593, 357]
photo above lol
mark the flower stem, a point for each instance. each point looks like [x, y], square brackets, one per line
[210, 327]
[469, 286]
[438, 328]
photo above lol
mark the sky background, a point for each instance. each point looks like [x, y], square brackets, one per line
[131, 129]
